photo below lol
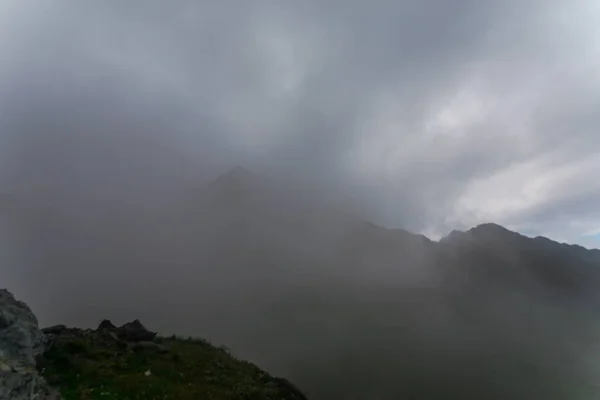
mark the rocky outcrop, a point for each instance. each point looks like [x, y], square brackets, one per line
[135, 332]
[21, 342]
[106, 324]
[132, 331]
[54, 330]
[132, 335]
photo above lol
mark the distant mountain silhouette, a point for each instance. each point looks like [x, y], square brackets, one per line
[508, 254]
[265, 213]
[489, 285]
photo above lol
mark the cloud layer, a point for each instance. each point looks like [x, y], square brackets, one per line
[431, 114]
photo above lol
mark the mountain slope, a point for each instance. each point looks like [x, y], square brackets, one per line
[88, 364]
[557, 267]
[248, 211]
[375, 303]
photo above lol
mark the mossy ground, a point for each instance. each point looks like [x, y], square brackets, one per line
[83, 367]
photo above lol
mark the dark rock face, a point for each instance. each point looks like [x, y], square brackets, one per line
[132, 331]
[106, 324]
[54, 330]
[135, 332]
[21, 344]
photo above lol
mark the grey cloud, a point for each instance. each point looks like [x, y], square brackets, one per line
[202, 67]
[211, 76]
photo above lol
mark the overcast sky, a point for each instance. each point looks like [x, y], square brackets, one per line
[434, 114]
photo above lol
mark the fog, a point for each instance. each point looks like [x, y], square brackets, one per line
[121, 125]
[343, 308]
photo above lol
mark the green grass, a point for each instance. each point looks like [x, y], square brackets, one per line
[87, 366]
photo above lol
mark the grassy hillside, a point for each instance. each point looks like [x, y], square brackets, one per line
[95, 365]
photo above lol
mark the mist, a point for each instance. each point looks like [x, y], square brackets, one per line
[344, 308]
[121, 127]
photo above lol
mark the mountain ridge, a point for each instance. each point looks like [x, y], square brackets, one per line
[241, 175]
[240, 179]
[339, 243]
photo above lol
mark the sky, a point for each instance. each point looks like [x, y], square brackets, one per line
[431, 115]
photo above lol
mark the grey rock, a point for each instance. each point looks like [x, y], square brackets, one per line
[21, 342]
[49, 340]
[20, 338]
[25, 384]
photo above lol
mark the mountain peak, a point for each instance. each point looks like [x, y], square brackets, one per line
[485, 230]
[490, 228]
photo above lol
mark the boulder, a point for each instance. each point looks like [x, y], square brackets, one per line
[106, 324]
[135, 332]
[21, 342]
[20, 338]
[54, 330]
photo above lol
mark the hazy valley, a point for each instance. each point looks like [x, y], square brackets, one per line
[340, 306]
